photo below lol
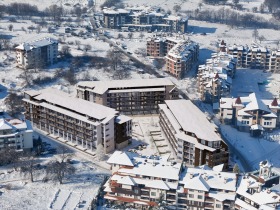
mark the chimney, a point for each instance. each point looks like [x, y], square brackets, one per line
[225, 180]
[238, 100]
[206, 177]
[259, 187]
[216, 76]
[191, 175]
[248, 183]
[274, 102]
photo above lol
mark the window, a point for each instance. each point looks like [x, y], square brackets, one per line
[136, 191]
[191, 196]
[199, 196]
[218, 206]
[153, 194]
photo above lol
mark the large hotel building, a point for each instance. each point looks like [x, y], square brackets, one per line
[180, 55]
[79, 122]
[139, 96]
[193, 138]
[37, 53]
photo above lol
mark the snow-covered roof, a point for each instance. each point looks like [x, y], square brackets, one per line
[191, 119]
[122, 119]
[12, 124]
[122, 158]
[100, 87]
[208, 179]
[63, 100]
[37, 44]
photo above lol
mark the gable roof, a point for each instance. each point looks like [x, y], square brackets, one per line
[197, 183]
[122, 158]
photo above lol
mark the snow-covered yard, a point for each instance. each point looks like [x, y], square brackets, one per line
[254, 150]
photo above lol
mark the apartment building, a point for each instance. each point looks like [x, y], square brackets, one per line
[214, 78]
[138, 96]
[76, 121]
[193, 138]
[251, 113]
[143, 18]
[259, 189]
[142, 182]
[14, 133]
[255, 57]
[37, 53]
[180, 55]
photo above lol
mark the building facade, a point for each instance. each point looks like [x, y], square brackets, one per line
[15, 134]
[214, 78]
[144, 19]
[128, 96]
[254, 57]
[180, 55]
[37, 54]
[142, 182]
[250, 113]
[76, 121]
[193, 138]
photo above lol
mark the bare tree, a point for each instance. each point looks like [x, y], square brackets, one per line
[116, 58]
[60, 168]
[87, 47]
[14, 103]
[70, 76]
[65, 51]
[10, 27]
[100, 154]
[177, 8]
[120, 36]
[27, 163]
[255, 34]
[130, 35]
[38, 29]
[141, 35]
[261, 38]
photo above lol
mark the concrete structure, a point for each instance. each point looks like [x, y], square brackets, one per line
[138, 96]
[143, 18]
[77, 121]
[214, 78]
[142, 182]
[37, 53]
[193, 138]
[15, 134]
[254, 57]
[250, 113]
[180, 55]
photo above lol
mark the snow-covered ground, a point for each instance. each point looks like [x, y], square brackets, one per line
[77, 192]
[255, 150]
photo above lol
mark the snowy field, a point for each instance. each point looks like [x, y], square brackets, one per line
[77, 192]
[255, 150]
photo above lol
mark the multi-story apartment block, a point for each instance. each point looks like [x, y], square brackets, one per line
[250, 113]
[193, 138]
[180, 55]
[259, 189]
[214, 79]
[128, 96]
[15, 134]
[79, 122]
[254, 57]
[37, 54]
[144, 19]
[142, 182]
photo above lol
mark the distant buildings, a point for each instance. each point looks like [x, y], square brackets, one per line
[76, 121]
[37, 53]
[180, 55]
[254, 57]
[250, 113]
[15, 134]
[214, 79]
[140, 96]
[144, 182]
[193, 138]
[144, 19]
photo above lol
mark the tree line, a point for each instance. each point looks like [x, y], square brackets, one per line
[232, 18]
